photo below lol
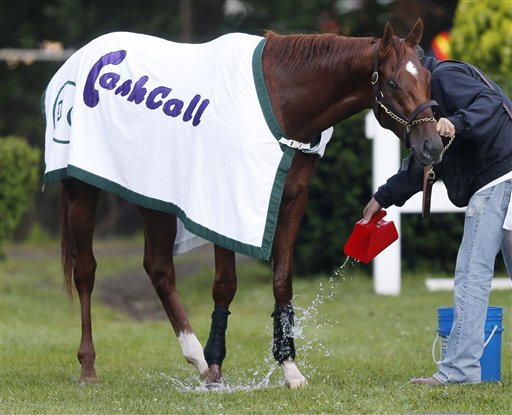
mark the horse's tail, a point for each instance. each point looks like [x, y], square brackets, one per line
[66, 245]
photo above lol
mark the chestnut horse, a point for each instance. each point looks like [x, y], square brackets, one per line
[313, 82]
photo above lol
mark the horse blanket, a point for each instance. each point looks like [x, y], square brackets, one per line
[182, 128]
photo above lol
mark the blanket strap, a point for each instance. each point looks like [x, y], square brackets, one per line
[295, 144]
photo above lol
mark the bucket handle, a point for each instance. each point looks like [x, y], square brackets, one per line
[437, 337]
[490, 336]
[434, 350]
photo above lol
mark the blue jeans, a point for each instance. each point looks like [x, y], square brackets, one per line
[483, 239]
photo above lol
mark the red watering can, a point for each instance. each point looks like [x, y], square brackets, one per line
[369, 240]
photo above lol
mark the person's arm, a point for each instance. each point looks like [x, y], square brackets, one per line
[398, 188]
[470, 104]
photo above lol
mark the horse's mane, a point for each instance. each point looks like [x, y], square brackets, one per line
[315, 51]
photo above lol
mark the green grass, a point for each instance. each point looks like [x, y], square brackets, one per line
[358, 350]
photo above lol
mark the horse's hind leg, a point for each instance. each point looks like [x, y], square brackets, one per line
[160, 233]
[223, 292]
[79, 202]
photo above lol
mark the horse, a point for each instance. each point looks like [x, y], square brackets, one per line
[313, 82]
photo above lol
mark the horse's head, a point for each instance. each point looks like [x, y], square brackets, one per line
[402, 94]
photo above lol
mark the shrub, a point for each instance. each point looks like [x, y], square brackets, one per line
[481, 35]
[18, 180]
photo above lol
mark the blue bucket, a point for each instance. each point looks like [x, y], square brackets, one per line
[490, 362]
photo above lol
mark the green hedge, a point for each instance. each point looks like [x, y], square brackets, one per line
[19, 177]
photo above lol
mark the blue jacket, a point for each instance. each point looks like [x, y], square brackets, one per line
[482, 148]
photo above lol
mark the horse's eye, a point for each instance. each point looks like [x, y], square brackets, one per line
[392, 85]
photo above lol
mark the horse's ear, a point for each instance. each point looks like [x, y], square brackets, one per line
[386, 37]
[414, 36]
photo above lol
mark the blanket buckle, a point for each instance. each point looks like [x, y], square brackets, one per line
[294, 144]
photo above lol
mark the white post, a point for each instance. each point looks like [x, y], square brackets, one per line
[386, 162]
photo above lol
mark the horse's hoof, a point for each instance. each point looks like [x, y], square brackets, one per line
[214, 386]
[88, 380]
[293, 377]
[298, 383]
[213, 375]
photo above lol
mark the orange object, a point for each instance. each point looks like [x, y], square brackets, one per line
[368, 240]
[441, 46]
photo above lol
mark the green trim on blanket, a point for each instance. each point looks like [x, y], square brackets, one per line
[264, 99]
[254, 251]
[261, 90]
[55, 176]
[288, 152]
[43, 106]
[275, 201]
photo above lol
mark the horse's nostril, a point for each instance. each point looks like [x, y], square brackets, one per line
[427, 147]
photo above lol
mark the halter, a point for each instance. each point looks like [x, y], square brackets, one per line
[382, 102]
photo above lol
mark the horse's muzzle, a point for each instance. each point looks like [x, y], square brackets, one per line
[430, 151]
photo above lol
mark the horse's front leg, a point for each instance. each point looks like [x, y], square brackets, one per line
[223, 292]
[160, 233]
[283, 347]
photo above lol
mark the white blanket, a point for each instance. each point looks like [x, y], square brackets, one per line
[185, 129]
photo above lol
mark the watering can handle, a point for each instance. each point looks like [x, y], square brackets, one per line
[378, 216]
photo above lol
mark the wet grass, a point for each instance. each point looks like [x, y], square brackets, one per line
[358, 350]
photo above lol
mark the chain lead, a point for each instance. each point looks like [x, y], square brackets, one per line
[400, 120]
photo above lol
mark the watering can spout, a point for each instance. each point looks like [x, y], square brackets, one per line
[368, 240]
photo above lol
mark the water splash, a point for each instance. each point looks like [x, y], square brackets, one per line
[304, 317]
[262, 377]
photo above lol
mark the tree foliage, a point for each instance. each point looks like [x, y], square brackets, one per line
[482, 34]
[19, 176]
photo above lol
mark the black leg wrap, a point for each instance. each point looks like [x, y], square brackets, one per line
[283, 346]
[215, 350]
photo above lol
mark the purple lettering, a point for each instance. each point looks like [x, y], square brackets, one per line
[173, 107]
[125, 87]
[191, 107]
[109, 80]
[138, 91]
[197, 117]
[91, 94]
[159, 90]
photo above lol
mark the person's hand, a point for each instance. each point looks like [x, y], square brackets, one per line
[445, 128]
[371, 209]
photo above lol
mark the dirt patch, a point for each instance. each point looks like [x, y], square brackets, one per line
[132, 293]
